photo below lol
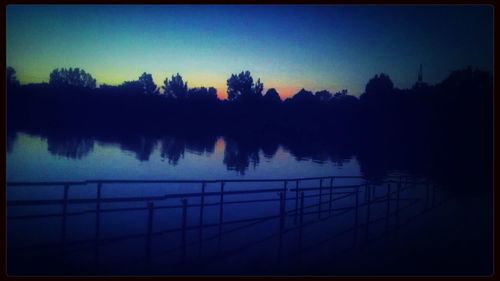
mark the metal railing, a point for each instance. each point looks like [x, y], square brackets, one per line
[291, 190]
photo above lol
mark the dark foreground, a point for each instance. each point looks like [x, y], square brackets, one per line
[328, 226]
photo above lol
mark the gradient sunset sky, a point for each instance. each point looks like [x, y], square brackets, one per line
[289, 47]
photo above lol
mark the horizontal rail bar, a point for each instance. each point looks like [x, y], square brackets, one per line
[14, 203]
[91, 211]
[326, 187]
[139, 235]
[134, 199]
[48, 183]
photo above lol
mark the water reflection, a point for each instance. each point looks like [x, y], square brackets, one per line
[70, 146]
[320, 151]
[376, 158]
[141, 146]
[173, 148]
[239, 154]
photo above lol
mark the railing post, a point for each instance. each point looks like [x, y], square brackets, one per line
[221, 209]
[65, 209]
[357, 207]
[301, 207]
[202, 204]
[200, 230]
[301, 219]
[330, 199]
[388, 210]
[356, 220]
[320, 195]
[296, 201]
[184, 224]
[150, 232]
[97, 222]
[284, 193]
[221, 214]
[281, 222]
[282, 213]
[356, 224]
[367, 217]
[398, 191]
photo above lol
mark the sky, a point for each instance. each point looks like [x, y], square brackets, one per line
[288, 47]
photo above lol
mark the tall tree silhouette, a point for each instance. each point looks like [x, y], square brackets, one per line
[72, 76]
[304, 96]
[272, 96]
[380, 87]
[323, 95]
[241, 86]
[11, 78]
[175, 87]
[148, 84]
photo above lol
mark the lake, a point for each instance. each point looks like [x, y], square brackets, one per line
[219, 205]
[166, 158]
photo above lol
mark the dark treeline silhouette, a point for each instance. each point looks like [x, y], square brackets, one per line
[440, 131]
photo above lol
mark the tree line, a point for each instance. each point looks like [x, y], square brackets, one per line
[447, 124]
[71, 98]
[240, 86]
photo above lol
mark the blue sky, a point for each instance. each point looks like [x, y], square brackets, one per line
[317, 47]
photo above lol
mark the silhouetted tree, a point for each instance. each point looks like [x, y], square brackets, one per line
[304, 96]
[378, 88]
[272, 96]
[258, 88]
[175, 87]
[212, 92]
[72, 76]
[323, 95]
[148, 84]
[202, 94]
[132, 87]
[11, 78]
[241, 86]
[340, 95]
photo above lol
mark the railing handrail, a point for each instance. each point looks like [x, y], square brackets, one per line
[84, 182]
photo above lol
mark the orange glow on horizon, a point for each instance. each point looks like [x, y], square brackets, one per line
[284, 91]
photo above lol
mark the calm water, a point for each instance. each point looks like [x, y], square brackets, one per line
[335, 227]
[34, 158]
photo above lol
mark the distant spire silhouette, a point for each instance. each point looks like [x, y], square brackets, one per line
[420, 80]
